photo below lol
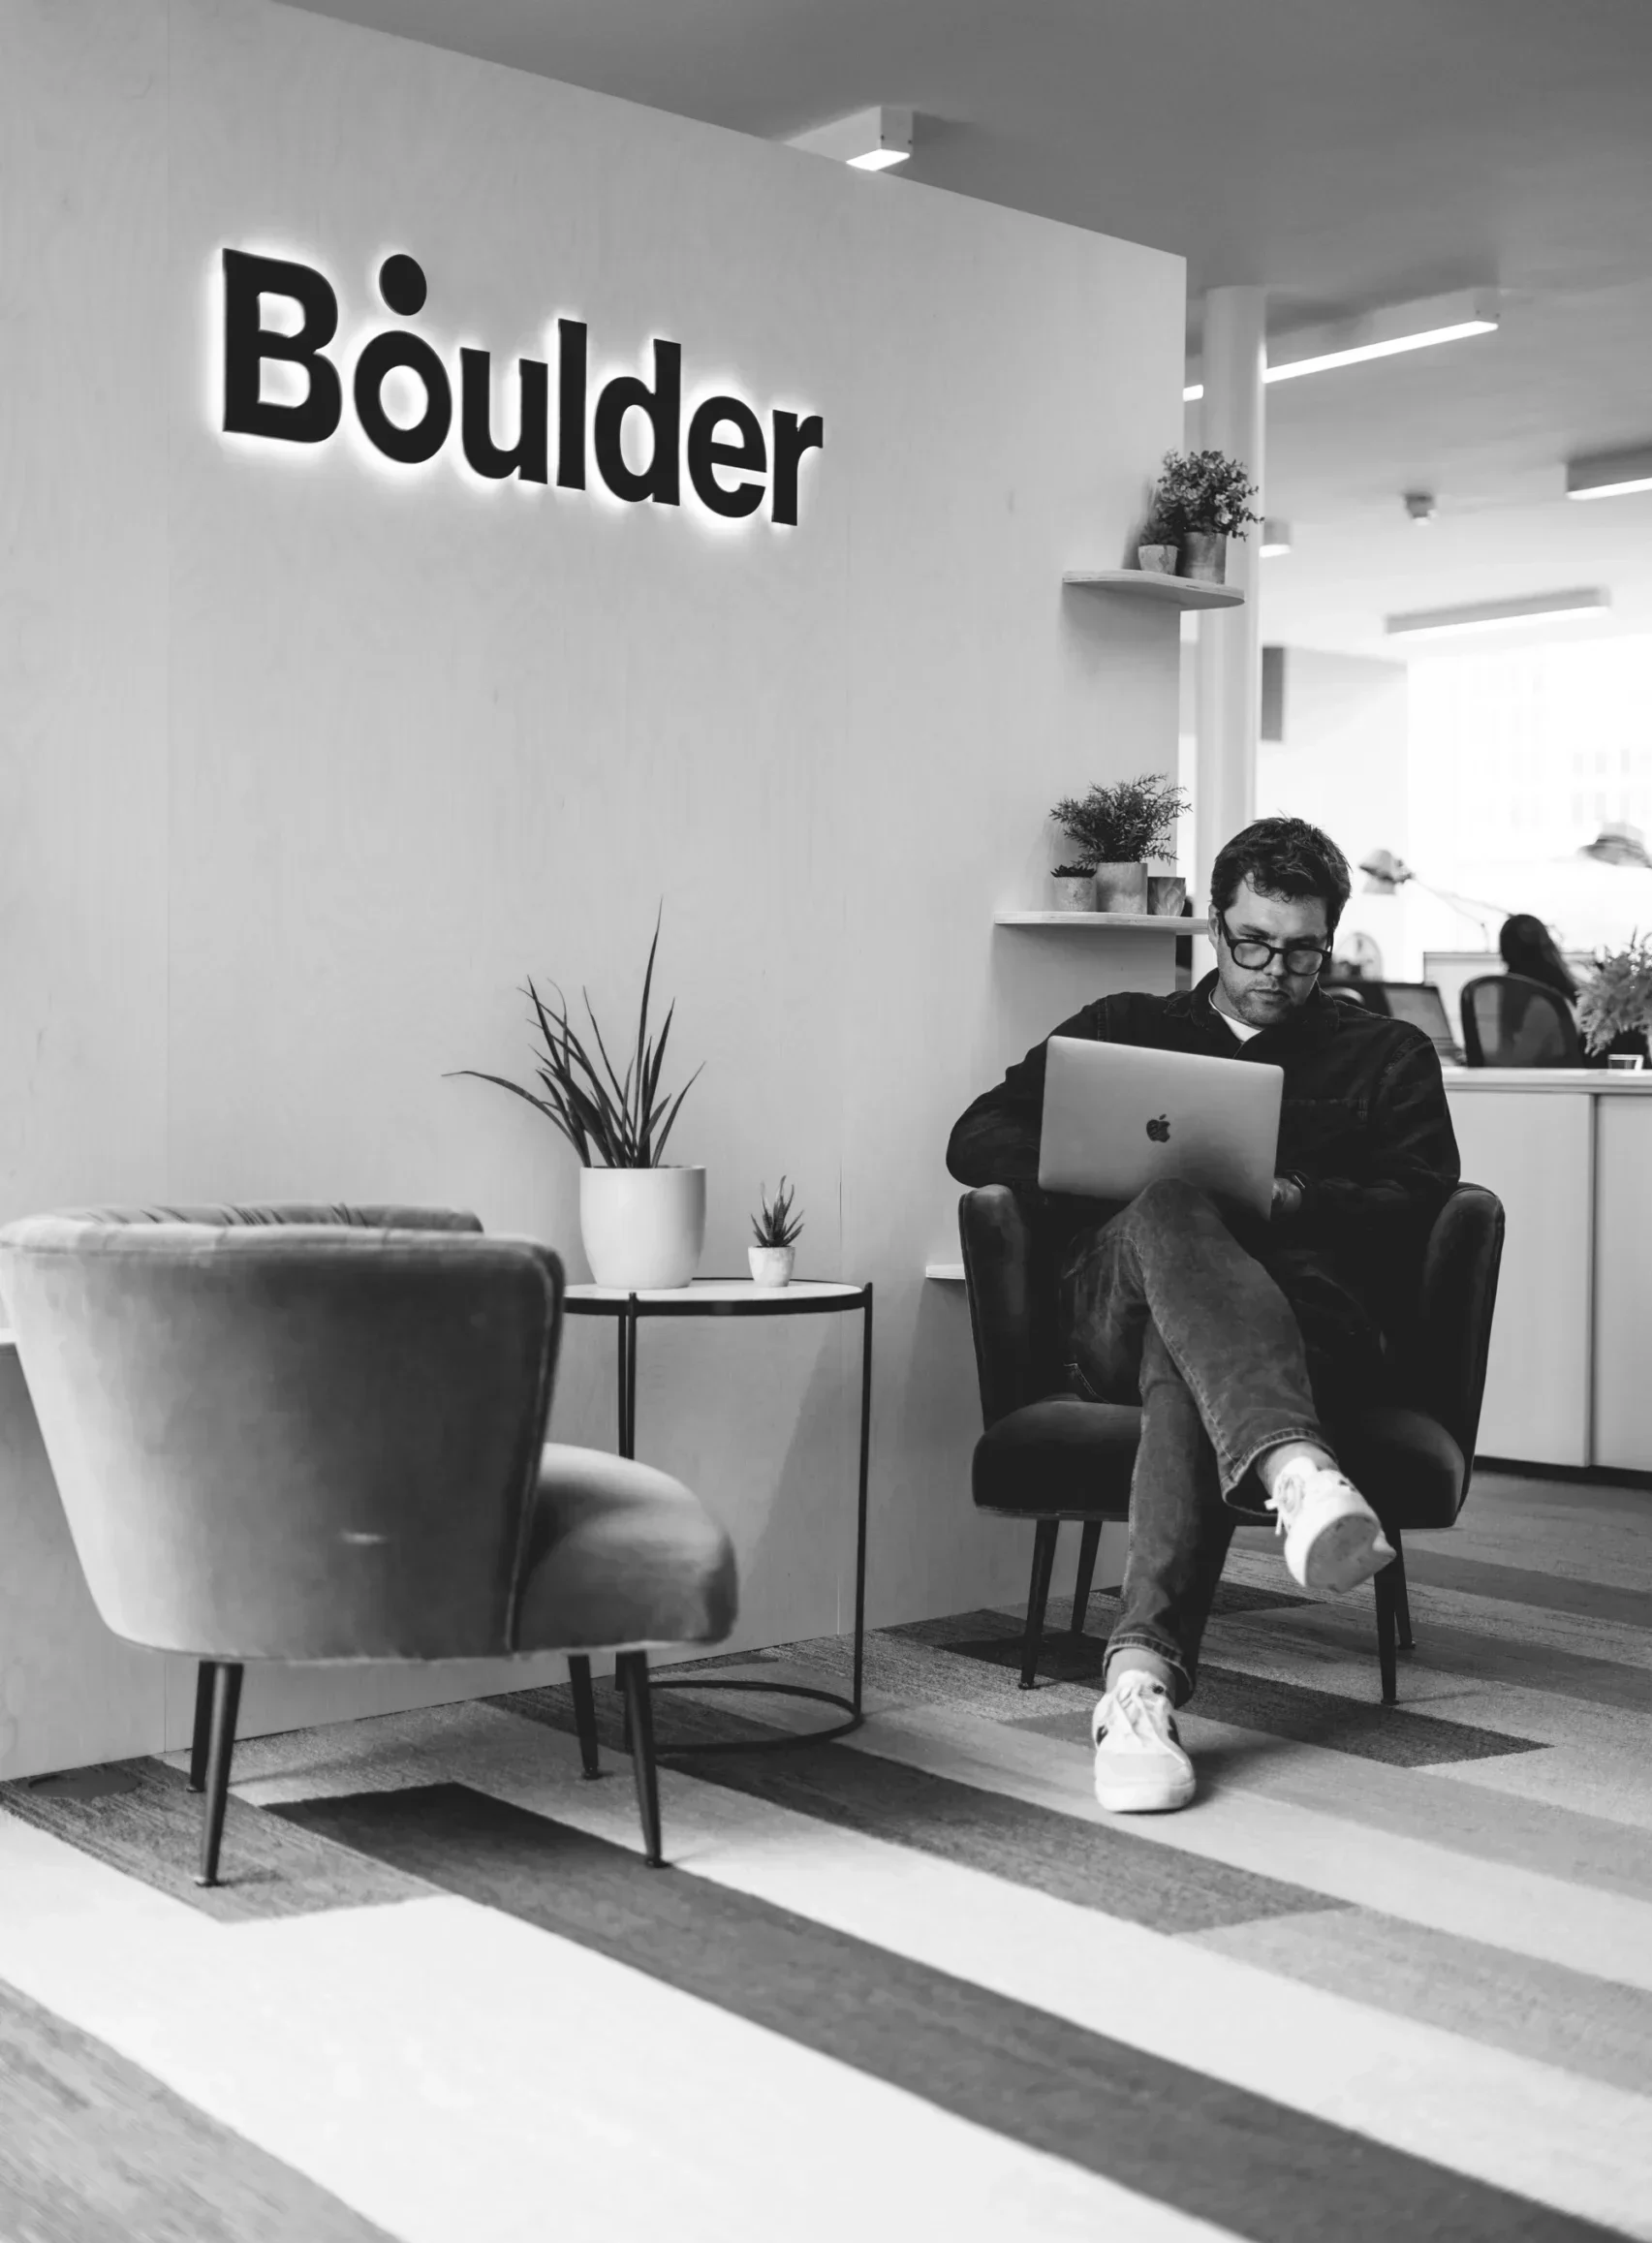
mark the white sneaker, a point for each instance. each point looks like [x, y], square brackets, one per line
[1334, 1539]
[1140, 1767]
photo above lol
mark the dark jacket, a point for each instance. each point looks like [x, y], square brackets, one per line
[1363, 1125]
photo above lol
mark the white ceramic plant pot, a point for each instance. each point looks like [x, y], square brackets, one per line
[1074, 891]
[1167, 892]
[643, 1228]
[771, 1264]
[1121, 888]
[1158, 560]
[1204, 556]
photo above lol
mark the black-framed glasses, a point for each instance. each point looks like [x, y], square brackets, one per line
[1254, 955]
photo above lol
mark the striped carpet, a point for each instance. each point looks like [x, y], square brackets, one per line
[1391, 1973]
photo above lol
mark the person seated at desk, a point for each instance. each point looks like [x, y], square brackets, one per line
[1241, 1344]
[1530, 951]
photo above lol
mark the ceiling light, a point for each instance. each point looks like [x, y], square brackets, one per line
[869, 140]
[1492, 614]
[1380, 334]
[1610, 474]
[1275, 539]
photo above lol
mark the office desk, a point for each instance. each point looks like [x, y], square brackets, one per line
[1570, 1155]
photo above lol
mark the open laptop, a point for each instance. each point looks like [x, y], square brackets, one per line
[1117, 1117]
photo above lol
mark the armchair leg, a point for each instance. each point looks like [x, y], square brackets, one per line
[1090, 1542]
[225, 1705]
[1386, 1587]
[1402, 1602]
[640, 1715]
[1038, 1597]
[584, 1715]
[201, 1739]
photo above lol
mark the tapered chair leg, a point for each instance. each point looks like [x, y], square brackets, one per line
[584, 1715]
[1038, 1597]
[203, 1735]
[1089, 1542]
[1386, 1587]
[1402, 1602]
[633, 1670]
[225, 1705]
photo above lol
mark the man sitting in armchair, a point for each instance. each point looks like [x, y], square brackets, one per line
[1243, 1345]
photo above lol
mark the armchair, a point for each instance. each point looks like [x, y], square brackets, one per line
[1047, 1455]
[317, 1434]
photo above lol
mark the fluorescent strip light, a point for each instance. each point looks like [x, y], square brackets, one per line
[869, 140]
[1386, 334]
[1610, 474]
[1495, 614]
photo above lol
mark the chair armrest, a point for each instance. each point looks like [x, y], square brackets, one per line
[1011, 1300]
[1456, 1303]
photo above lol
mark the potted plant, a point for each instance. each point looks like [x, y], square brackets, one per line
[1116, 829]
[1207, 496]
[776, 1231]
[1614, 1007]
[642, 1221]
[1158, 546]
[1075, 886]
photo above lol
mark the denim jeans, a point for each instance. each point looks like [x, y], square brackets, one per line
[1233, 1345]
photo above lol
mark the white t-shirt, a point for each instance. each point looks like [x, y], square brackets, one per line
[1242, 1029]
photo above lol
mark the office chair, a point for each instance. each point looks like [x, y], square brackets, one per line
[1510, 1021]
[317, 1434]
[1047, 1455]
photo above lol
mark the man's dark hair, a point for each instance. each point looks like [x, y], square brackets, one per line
[1282, 856]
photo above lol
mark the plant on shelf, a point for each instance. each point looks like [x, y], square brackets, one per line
[1614, 1007]
[643, 1221]
[1158, 546]
[1115, 829]
[1207, 496]
[776, 1231]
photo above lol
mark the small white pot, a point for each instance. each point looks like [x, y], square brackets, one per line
[1074, 891]
[1167, 892]
[1158, 560]
[1121, 888]
[771, 1264]
[643, 1228]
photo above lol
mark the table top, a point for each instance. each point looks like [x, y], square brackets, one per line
[719, 1297]
[1596, 1081]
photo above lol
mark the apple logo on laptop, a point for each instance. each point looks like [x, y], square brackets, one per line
[1159, 1130]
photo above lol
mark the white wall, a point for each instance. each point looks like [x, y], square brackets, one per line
[307, 762]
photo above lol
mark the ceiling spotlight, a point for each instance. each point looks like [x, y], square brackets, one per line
[1610, 474]
[1275, 539]
[1420, 505]
[869, 140]
[1384, 333]
[1494, 614]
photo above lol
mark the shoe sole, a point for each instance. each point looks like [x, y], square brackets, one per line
[1156, 1797]
[1344, 1554]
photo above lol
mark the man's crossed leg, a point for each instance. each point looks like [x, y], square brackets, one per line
[1167, 1302]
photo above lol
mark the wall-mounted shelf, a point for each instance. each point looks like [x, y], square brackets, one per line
[1170, 591]
[945, 1273]
[1127, 922]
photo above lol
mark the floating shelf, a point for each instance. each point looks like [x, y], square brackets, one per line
[945, 1273]
[1129, 922]
[1171, 591]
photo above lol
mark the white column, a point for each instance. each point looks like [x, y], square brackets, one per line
[1228, 667]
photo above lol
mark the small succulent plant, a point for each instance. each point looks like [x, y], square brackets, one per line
[774, 1224]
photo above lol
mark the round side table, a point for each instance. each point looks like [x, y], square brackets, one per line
[732, 1296]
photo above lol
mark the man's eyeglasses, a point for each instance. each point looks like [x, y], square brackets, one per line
[1254, 955]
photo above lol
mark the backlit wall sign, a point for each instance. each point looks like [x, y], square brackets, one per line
[729, 460]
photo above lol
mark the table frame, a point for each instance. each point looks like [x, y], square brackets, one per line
[629, 1310]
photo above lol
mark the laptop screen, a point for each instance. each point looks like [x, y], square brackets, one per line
[1421, 1003]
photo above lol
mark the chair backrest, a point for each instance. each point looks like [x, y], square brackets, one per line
[1510, 1021]
[1011, 1302]
[1442, 1370]
[1012, 1298]
[291, 1433]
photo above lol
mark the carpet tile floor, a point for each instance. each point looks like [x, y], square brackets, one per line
[1390, 1974]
